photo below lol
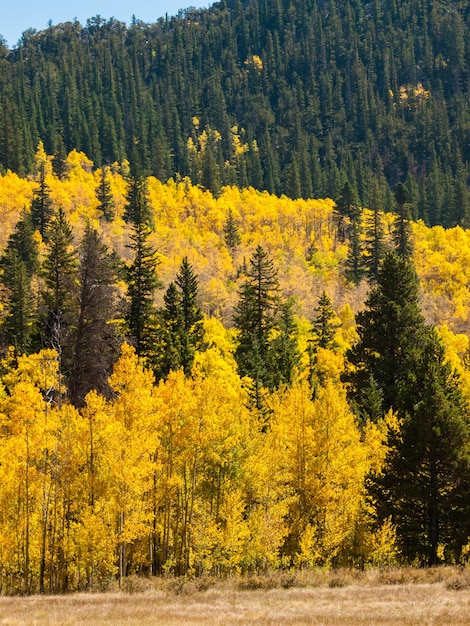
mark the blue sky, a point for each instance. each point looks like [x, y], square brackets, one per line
[17, 16]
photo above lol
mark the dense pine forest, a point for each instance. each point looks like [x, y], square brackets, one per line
[291, 96]
[235, 293]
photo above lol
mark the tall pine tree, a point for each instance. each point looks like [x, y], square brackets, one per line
[95, 339]
[255, 317]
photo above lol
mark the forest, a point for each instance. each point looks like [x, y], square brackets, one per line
[196, 384]
[289, 96]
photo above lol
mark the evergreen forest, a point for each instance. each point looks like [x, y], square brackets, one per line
[235, 293]
[288, 96]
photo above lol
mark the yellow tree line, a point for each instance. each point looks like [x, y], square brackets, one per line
[178, 477]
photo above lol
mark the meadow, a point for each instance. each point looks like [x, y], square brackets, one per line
[401, 596]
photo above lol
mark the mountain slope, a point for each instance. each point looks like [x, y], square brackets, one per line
[292, 96]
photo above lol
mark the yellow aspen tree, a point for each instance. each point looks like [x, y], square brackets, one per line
[95, 536]
[27, 483]
[178, 457]
[132, 456]
[219, 452]
[326, 464]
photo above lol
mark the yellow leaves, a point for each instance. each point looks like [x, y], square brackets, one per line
[326, 464]
[40, 369]
[329, 365]
[255, 62]
[15, 195]
[383, 549]
[442, 260]
[413, 96]
[375, 439]
[42, 161]
[238, 146]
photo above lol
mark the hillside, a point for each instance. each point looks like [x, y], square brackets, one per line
[201, 385]
[292, 96]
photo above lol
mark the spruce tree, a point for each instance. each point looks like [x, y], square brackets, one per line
[283, 353]
[375, 246]
[231, 232]
[19, 263]
[399, 363]
[391, 334]
[137, 209]
[95, 339]
[142, 282]
[344, 210]
[355, 264]
[59, 273]
[181, 328]
[104, 195]
[402, 226]
[324, 329]
[168, 357]
[59, 160]
[254, 318]
[41, 204]
[325, 324]
[424, 485]
[191, 315]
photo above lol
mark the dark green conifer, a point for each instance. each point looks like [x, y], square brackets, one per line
[104, 195]
[95, 339]
[142, 282]
[137, 209]
[255, 317]
[41, 204]
[391, 334]
[374, 245]
[231, 232]
[402, 226]
[283, 353]
[59, 297]
[18, 263]
[344, 210]
[325, 324]
[423, 488]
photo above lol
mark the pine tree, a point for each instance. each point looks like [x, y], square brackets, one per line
[375, 246]
[191, 315]
[59, 272]
[19, 263]
[104, 195]
[402, 226]
[255, 318]
[231, 232]
[169, 334]
[324, 330]
[137, 209]
[345, 208]
[95, 336]
[355, 258]
[59, 160]
[325, 324]
[391, 334]
[142, 282]
[399, 363]
[41, 204]
[181, 328]
[425, 482]
[283, 353]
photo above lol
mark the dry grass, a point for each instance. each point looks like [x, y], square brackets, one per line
[402, 596]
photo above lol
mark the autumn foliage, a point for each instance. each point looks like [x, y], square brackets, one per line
[182, 473]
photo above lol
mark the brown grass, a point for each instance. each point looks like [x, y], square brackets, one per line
[405, 597]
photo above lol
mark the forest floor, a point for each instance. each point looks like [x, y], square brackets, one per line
[401, 597]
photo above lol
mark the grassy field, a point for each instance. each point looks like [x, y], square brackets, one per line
[399, 597]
